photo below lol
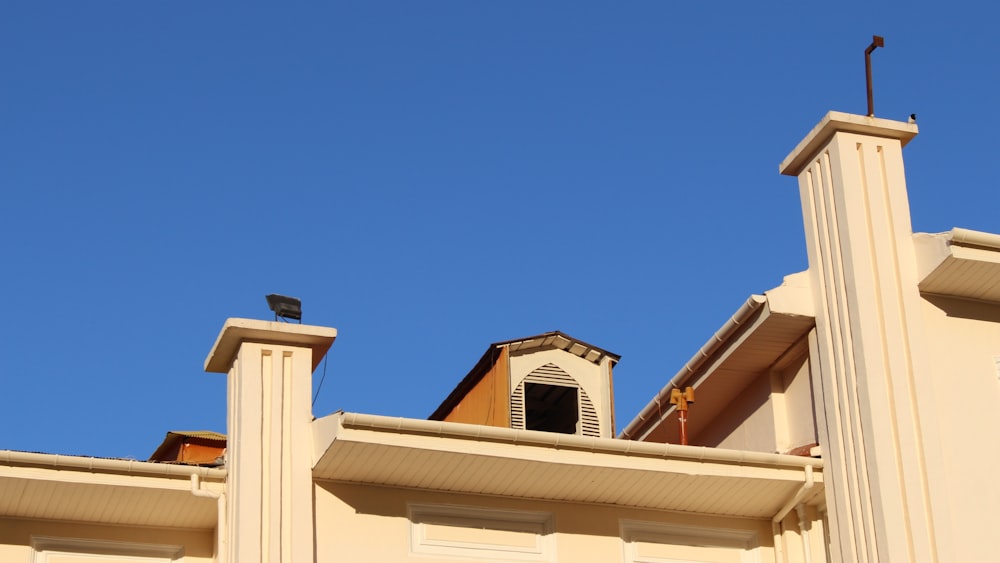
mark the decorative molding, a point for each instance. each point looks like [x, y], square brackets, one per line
[634, 532]
[481, 533]
[42, 547]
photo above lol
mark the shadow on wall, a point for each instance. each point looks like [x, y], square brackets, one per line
[965, 308]
[196, 544]
[568, 517]
[732, 417]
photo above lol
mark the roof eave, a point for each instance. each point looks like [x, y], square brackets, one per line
[465, 458]
[106, 491]
[791, 302]
[960, 263]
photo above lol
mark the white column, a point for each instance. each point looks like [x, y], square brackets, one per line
[269, 436]
[871, 385]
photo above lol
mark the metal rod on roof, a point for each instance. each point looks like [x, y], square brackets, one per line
[877, 41]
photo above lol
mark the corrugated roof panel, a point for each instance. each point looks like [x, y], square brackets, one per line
[202, 434]
[605, 476]
[428, 473]
[632, 491]
[11, 495]
[504, 483]
[476, 467]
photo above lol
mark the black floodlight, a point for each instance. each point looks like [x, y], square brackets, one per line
[285, 307]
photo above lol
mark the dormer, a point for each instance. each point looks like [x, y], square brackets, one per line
[551, 382]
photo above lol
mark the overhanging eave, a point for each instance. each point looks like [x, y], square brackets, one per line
[462, 458]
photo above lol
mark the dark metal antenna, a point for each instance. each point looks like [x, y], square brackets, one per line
[877, 41]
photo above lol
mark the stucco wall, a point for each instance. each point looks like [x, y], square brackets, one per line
[774, 413]
[16, 535]
[360, 523]
[800, 411]
[747, 423]
[964, 341]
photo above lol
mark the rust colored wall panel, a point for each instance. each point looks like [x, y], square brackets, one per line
[611, 397]
[488, 402]
[200, 451]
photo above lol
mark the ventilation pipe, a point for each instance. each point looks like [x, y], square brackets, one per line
[792, 503]
[804, 525]
[220, 525]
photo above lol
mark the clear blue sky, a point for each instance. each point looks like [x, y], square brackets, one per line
[428, 177]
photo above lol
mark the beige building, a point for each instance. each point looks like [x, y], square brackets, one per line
[848, 415]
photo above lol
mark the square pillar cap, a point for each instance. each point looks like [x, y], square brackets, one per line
[237, 331]
[837, 122]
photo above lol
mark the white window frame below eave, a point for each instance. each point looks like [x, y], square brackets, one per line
[540, 523]
[660, 532]
[44, 546]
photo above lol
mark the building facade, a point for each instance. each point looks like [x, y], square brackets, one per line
[848, 415]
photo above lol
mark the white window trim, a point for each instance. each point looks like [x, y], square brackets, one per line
[638, 530]
[44, 546]
[588, 421]
[540, 523]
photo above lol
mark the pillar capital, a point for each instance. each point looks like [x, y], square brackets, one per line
[237, 331]
[837, 122]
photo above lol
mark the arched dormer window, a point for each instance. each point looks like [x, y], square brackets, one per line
[549, 399]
